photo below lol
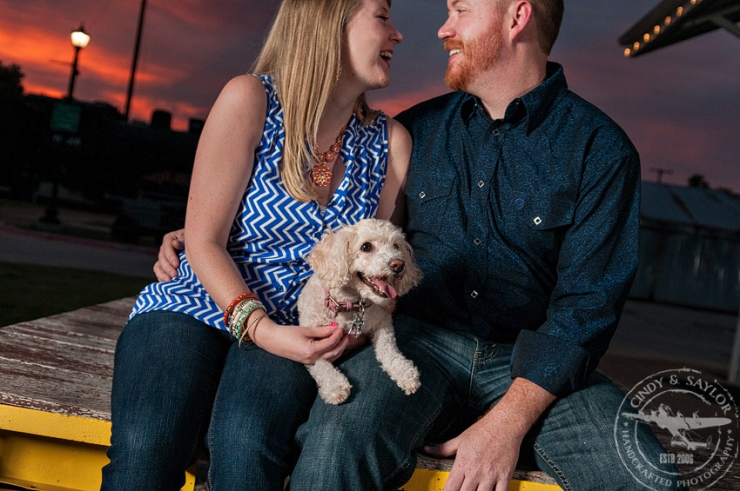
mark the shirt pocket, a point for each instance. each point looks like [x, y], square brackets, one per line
[539, 223]
[427, 204]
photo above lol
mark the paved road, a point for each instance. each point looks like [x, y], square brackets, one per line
[32, 247]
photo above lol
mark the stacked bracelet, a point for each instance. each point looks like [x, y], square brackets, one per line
[252, 324]
[235, 302]
[238, 313]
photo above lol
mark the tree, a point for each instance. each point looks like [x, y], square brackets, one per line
[698, 181]
[11, 77]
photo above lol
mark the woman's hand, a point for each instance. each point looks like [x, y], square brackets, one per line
[304, 345]
[168, 259]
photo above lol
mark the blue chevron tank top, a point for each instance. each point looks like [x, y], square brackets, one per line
[273, 232]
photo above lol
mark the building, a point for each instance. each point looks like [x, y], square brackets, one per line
[689, 247]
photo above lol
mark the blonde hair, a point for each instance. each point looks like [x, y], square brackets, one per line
[303, 54]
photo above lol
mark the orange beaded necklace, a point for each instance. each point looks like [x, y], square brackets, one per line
[320, 172]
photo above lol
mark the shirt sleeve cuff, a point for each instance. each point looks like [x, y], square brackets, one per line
[556, 365]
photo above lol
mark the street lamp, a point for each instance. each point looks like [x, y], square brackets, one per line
[67, 120]
[79, 39]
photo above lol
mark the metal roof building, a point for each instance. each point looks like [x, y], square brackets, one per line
[689, 247]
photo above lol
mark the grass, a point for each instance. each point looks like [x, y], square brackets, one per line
[31, 292]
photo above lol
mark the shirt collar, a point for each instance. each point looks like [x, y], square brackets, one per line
[537, 103]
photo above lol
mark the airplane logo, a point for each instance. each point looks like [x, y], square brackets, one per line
[678, 425]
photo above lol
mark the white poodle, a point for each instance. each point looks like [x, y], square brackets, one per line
[359, 271]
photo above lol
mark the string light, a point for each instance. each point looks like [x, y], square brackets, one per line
[657, 29]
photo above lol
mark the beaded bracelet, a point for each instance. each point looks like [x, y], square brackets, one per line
[253, 323]
[242, 311]
[234, 303]
[237, 321]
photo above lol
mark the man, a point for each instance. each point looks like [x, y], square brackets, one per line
[523, 211]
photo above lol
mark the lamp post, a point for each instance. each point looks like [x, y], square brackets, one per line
[79, 39]
[65, 118]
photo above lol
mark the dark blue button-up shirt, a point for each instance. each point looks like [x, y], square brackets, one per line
[526, 228]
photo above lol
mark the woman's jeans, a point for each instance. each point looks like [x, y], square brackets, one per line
[370, 441]
[177, 382]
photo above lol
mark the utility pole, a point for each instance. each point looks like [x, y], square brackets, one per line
[660, 173]
[136, 59]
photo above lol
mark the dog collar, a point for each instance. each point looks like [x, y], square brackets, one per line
[348, 306]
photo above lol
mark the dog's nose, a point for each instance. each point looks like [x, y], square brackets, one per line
[397, 266]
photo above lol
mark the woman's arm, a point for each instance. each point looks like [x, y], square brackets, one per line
[392, 204]
[223, 167]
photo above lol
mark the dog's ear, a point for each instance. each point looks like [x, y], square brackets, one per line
[412, 274]
[329, 259]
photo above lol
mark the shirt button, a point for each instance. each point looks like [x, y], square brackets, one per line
[474, 294]
[422, 195]
[481, 183]
[495, 132]
[537, 220]
[477, 242]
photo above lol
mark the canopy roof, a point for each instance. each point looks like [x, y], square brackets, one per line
[672, 21]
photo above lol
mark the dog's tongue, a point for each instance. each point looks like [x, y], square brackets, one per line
[384, 287]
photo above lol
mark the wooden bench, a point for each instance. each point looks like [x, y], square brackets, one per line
[55, 382]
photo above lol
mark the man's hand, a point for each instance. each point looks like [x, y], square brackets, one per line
[487, 452]
[486, 456]
[168, 260]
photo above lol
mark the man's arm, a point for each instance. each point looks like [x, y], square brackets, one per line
[487, 452]
[168, 259]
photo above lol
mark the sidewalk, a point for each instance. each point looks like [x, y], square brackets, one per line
[653, 337]
[79, 247]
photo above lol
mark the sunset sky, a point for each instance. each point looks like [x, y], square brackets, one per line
[680, 105]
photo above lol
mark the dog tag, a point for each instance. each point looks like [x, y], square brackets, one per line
[356, 328]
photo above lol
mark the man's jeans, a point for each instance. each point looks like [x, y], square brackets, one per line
[170, 373]
[370, 441]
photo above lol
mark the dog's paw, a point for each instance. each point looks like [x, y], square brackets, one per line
[410, 382]
[333, 385]
[405, 374]
[335, 394]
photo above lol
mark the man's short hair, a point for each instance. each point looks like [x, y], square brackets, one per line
[549, 16]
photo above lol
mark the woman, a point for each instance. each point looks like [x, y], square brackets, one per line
[285, 154]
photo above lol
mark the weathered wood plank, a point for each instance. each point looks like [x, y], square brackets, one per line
[59, 391]
[45, 352]
[63, 363]
[104, 320]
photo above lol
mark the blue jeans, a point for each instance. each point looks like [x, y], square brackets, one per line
[370, 441]
[177, 381]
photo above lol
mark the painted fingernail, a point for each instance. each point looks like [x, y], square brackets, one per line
[334, 325]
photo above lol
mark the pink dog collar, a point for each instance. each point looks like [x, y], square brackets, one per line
[348, 306]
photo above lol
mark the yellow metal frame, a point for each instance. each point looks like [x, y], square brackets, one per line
[54, 452]
[434, 480]
[60, 452]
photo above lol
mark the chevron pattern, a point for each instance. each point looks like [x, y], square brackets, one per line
[273, 232]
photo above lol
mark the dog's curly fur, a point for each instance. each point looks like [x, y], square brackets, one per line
[367, 261]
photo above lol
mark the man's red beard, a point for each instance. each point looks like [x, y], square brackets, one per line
[478, 55]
